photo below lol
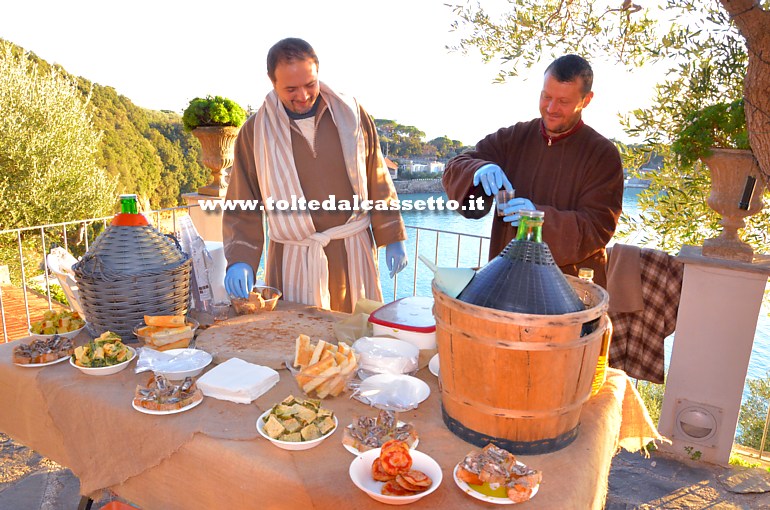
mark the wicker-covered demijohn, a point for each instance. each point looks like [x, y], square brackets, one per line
[130, 272]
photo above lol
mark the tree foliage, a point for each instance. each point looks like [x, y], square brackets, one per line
[49, 169]
[708, 62]
[753, 413]
[142, 151]
[446, 148]
[533, 29]
[406, 142]
[149, 151]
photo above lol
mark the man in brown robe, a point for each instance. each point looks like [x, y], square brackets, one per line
[308, 142]
[555, 164]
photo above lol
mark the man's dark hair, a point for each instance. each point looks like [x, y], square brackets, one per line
[289, 50]
[570, 67]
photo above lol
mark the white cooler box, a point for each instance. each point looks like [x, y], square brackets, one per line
[410, 319]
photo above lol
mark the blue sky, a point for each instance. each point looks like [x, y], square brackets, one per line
[392, 57]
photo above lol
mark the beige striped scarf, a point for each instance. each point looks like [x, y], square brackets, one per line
[304, 265]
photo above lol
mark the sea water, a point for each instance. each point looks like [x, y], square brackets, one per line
[473, 252]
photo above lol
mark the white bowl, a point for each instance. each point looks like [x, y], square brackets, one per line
[71, 334]
[361, 474]
[433, 365]
[385, 355]
[393, 391]
[179, 375]
[416, 338]
[112, 369]
[290, 445]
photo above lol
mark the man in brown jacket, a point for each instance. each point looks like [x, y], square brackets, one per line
[318, 152]
[555, 164]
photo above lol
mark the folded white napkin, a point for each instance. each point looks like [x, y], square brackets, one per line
[237, 381]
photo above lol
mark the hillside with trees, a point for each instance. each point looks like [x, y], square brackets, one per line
[130, 149]
[399, 142]
[123, 148]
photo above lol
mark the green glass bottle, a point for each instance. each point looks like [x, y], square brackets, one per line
[530, 226]
[524, 278]
[129, 204]
[129, 215]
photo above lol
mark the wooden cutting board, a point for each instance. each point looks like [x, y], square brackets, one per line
[267, 338]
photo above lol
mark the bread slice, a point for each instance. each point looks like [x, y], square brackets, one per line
[352, 363]
[338, 385]
[332, 386]
[302, 351]
[319, 349]
[165, 321]
[313, 372]
[324, 389]
[22, 358]
[26, 357]
[315, 382]
[161, 336]
[155, 405]
[182, 343]
[147, 330]
[468, 477]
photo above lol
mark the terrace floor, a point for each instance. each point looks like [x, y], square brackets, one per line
[15, 314]
[31, 482]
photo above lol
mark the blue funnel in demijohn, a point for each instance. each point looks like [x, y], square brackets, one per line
[450, 280]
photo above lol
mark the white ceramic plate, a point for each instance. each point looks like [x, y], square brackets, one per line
[291, 445]
[483, 497]
[35, 365]
[433, 365]
[393, 391]
[361, 473]
[173, 411]
[355, 451]
[112, 369]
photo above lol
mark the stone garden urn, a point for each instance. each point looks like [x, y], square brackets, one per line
[734, 197]
[217, 144]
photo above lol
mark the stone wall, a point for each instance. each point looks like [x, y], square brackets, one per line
[418, 186]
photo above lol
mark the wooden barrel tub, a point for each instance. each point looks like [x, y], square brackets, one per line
[517, 380]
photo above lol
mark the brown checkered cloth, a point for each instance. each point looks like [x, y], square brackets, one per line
[637, 339]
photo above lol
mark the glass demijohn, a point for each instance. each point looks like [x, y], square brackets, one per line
[524, 278]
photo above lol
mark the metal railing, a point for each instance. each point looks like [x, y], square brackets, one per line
[428, 242]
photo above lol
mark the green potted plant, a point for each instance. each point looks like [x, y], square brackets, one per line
[721, 125]
[213, 111]
[215, 122]
[717, 136]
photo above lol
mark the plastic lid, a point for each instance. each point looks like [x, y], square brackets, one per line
[129, 220]
[414, 313]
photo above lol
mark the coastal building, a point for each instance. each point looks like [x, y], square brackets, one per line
[392, 168]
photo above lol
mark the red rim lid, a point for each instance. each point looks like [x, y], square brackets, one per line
[129, 220]
[414, 313]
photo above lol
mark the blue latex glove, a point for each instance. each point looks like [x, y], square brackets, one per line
[239, 280]
[491, 178]
[513, 207]
[395, 257]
